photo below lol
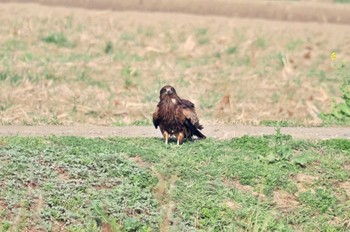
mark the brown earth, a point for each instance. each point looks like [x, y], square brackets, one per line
[291, 85]
[303, 11]
[212, 131]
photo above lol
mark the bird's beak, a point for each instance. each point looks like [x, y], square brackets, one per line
[169, 92]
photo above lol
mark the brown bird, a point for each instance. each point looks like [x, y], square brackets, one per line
[176, 117]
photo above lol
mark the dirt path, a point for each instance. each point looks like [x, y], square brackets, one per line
[288, 11]
[213, 131]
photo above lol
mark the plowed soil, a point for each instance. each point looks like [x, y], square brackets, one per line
[303, 11]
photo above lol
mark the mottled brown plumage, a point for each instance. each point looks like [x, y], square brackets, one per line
[176, 116]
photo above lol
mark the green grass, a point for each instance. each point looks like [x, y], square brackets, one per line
[85, 184]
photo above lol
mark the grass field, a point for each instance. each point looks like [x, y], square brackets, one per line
[74, 66]
[270, 183]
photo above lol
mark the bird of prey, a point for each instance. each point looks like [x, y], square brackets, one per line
[176, 117]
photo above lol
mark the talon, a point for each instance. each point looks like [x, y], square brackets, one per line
[180, 138]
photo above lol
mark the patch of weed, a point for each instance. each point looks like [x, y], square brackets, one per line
[129, 73]
[3, 76]
[274, 123]
[231, 50]
[281, 148]
[14, 79]
[202, 36]
[322, 200]
[217, 55]
[108, 48]
[143, 122]
[339, 144]
[260, 43]
[340, 111]
[58, 39]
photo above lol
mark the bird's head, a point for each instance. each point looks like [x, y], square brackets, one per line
[167, 91]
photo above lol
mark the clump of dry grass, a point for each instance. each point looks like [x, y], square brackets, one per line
[234, 70]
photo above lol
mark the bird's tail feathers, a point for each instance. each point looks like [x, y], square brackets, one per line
[199, 134]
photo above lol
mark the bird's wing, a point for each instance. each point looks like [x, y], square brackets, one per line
[156, 119]
[192, 123]
[191, 117]
[190, 114]
[187, 103]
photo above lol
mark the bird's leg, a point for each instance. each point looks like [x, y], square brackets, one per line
[180, 138]
[166, 136]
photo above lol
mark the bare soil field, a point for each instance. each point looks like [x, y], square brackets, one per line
[303, 11]
[262, 61]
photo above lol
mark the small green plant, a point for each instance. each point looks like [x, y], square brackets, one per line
[340, 111]
[109, 48]
[119, 122]
[201, 31]
[217, 55]
[281, 149]
[202, 36]
[59, 39]
[231, 50]
[104, 218]
[129, 73]
[14, 79]
[260, 43]
[143, 122]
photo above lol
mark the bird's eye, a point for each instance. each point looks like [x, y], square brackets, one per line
[172, 89]
[162, 91]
